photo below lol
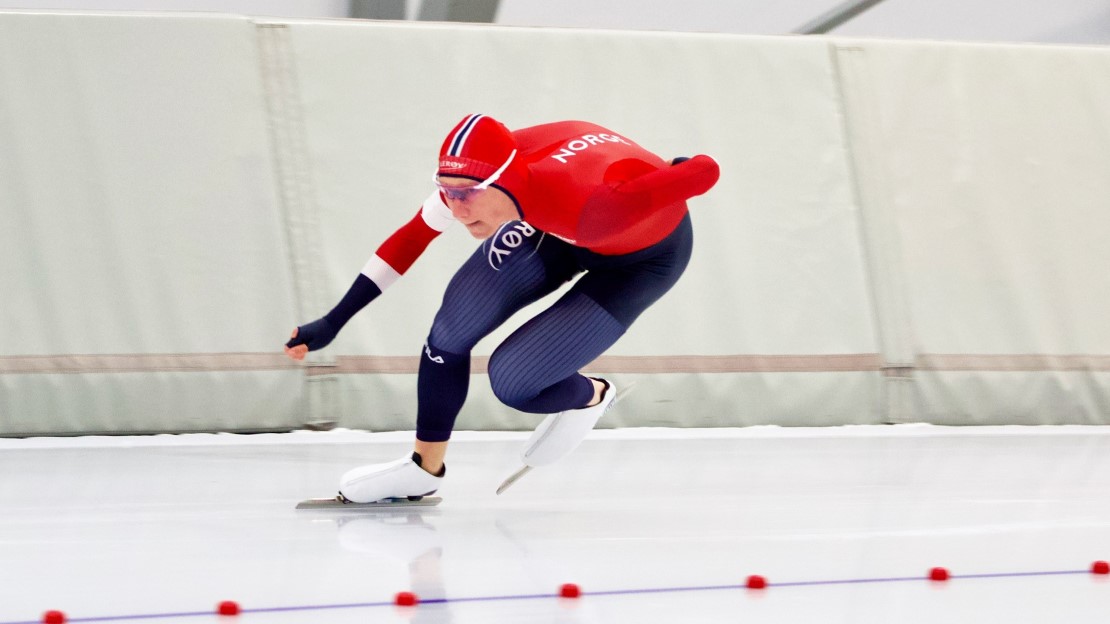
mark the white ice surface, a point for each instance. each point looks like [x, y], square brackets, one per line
[106, 529]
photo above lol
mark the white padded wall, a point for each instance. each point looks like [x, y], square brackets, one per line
[140, 220]
[990, 169]
[901, 231]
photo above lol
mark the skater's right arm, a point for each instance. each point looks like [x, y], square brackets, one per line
[392, 259]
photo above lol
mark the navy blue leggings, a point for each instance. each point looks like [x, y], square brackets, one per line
[536, 368]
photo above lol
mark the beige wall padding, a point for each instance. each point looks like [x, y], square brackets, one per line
[895, 222]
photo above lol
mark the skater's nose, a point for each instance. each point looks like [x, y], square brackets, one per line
[460, 209]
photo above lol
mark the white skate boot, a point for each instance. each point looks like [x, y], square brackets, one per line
[403, 478]
[561, 433]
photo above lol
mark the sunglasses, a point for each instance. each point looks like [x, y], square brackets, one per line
[463, 193]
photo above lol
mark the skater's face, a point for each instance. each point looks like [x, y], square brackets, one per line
[481, 210]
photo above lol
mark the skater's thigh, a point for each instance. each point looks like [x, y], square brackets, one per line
[511, 269]
[627, 289]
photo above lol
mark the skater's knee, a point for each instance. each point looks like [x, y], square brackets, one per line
[509, 386]
[509, 392]
[516, 400]
[449, 335]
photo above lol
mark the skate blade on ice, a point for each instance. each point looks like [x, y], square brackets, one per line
[338, 502]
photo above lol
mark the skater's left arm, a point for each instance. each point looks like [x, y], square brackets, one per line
[392, 259]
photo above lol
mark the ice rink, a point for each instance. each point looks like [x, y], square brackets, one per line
[654, 526]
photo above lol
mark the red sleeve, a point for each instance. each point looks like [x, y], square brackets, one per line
[644, 207]
[405, 245]
[676, 183]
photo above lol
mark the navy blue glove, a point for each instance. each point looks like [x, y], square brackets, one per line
[319, 333]
[316, 335]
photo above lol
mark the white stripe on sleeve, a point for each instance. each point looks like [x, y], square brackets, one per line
[380, 272]
[436, 213]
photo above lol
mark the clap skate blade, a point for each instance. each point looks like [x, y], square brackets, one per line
[341, 502]
[513, 478]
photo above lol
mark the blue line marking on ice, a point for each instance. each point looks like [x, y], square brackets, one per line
[612, 592]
